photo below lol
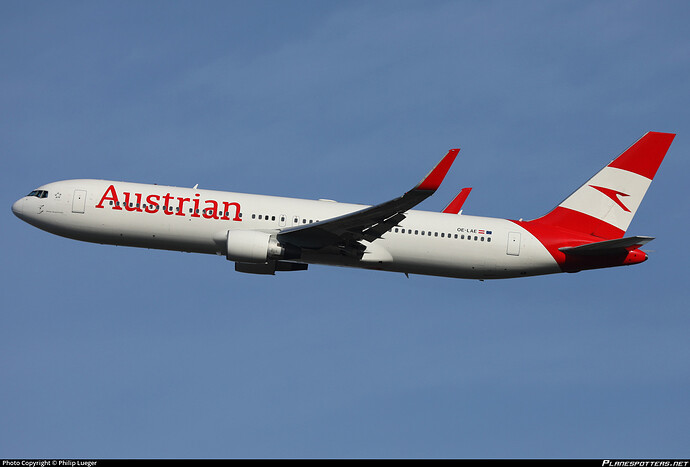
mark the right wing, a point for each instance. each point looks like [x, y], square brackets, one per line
[345, 232]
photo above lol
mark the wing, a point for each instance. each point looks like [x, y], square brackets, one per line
[345, 232]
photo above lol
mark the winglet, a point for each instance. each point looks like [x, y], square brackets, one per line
[432, 181]
[456, 205]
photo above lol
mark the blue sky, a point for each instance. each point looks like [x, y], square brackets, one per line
[111, 352]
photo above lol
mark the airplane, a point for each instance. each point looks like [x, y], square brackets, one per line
[268, 234]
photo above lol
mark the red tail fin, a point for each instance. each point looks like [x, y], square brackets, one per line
[605, 205]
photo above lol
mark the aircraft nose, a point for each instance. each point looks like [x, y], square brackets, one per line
[18, 208]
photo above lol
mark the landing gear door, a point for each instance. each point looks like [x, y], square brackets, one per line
[513, 244]
[79, 201]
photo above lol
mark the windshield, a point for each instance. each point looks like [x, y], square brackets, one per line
[39, 194]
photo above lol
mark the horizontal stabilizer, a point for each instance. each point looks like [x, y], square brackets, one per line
[607, 247]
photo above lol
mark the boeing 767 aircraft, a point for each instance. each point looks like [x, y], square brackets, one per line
[265, 234]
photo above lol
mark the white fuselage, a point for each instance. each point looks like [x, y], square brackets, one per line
[133, 214]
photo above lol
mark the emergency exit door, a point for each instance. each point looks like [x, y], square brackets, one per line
[513, 244]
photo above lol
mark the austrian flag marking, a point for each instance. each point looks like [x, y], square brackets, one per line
[171, 205]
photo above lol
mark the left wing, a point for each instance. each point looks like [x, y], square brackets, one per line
[345, 232]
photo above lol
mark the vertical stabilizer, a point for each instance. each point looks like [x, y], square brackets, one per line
[606, 204]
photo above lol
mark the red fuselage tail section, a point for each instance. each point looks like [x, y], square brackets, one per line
[601, 210]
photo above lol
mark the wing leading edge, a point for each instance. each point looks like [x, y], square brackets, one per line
[345, 232]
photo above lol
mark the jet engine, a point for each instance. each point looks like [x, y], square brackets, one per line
[251, 246]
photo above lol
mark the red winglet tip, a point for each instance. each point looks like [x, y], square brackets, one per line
[432, 181]
[456, 205]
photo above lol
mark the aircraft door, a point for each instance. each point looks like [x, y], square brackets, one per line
[513, 244]
[79, 201]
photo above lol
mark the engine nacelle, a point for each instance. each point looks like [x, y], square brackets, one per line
[251, 246]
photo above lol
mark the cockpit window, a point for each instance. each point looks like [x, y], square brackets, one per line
[39, 194]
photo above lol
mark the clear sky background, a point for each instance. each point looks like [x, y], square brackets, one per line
[111, 352]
